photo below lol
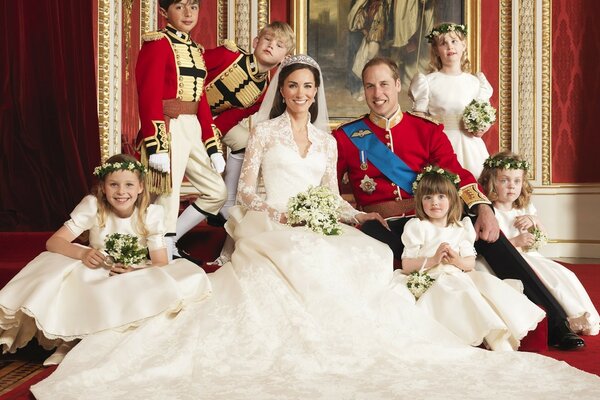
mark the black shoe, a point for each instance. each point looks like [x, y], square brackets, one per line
[564, 338]
[188, 256]
[216, 220]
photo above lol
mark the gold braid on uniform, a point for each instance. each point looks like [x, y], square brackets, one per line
[471, 195]
[157, 182]
[213, 144]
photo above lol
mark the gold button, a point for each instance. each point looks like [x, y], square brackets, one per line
[387, 135]
[389, 145]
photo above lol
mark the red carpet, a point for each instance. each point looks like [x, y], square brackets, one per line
[205, 242]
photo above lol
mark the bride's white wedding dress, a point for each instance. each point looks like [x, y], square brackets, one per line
[298, 315]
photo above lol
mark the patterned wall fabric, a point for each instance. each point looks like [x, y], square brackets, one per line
[575, 91]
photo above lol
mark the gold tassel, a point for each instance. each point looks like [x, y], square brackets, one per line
[156, 182]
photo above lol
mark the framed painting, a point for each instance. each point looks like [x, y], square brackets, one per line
[333, 32]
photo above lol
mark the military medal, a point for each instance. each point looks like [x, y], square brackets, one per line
[363, 161]
[368, 184]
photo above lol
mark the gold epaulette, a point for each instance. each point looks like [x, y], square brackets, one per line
[349, 122]
[152, 36]
[419, 114]
[229, 45]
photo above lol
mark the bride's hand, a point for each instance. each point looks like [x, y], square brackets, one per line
[361, 218]
[119, 269]
[283, 218]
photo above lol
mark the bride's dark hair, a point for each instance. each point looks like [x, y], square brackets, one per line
[279, 106]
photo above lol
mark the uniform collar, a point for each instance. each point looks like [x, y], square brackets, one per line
[386, 123]
[182, 36]
[253, 69]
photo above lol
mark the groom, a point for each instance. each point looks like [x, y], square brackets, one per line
[382, 152]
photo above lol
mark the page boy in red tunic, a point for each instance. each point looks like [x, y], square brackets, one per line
[177, 135]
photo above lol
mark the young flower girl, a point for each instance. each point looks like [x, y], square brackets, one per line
[445, 92]
[504, 178]
[476, 306]
[71, 290]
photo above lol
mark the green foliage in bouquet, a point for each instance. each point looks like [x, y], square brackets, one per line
[125, 249]
[318, 208]
[478, 116]
[418, 282]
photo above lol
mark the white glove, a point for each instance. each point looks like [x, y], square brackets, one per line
[218, 162]
[160, 162]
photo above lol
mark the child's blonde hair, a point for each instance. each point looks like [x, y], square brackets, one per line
[501, 161]
[435, 62]
[435, 183]
[142, 202]
[280, 30]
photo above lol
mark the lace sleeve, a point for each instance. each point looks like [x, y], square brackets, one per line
[330, 180]
[247, 194]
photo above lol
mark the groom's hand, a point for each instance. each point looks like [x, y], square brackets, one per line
[361, 218]
[486, 226]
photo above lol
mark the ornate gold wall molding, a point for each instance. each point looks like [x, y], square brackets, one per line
[527, 83]
[546, 92]
[263, 13]
[505, 73]
[148, 19]
[222, 18]
[242, 24]
[109, 76]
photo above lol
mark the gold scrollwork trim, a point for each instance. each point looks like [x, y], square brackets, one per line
[527, 86]
[546, 92]
[222, 17]
[146, 20]
[104, 77]
[242, 24]
[127, 11]
[263, 13]
[505, 68]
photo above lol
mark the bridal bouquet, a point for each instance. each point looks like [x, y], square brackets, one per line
[318, 208]
[124, 249]
[540, 239]
[478, 116]
[418, 282]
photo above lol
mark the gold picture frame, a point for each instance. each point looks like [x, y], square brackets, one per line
[322, 31]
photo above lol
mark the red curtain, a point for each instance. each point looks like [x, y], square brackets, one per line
[49, 141]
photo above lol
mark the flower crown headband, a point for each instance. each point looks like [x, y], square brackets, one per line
[446, 28]
[106, 168]
[300, 59]
[506, 163]
[434, 169]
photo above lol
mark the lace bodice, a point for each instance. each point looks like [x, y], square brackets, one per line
[273, 155]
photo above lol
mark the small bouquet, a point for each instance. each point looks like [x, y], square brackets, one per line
[124, 249]
[418, 282]
[478, 116]
[540, 239]
[317, 208]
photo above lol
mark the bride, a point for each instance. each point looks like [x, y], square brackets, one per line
[296, 314]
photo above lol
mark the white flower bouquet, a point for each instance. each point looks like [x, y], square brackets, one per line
[540, 239]
[418, 282]
[318, 208]
[478, 116]
[124, 249]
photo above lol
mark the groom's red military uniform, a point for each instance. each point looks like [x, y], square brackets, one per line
[415, 140]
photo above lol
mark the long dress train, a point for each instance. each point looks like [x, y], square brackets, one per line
[299, 315]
